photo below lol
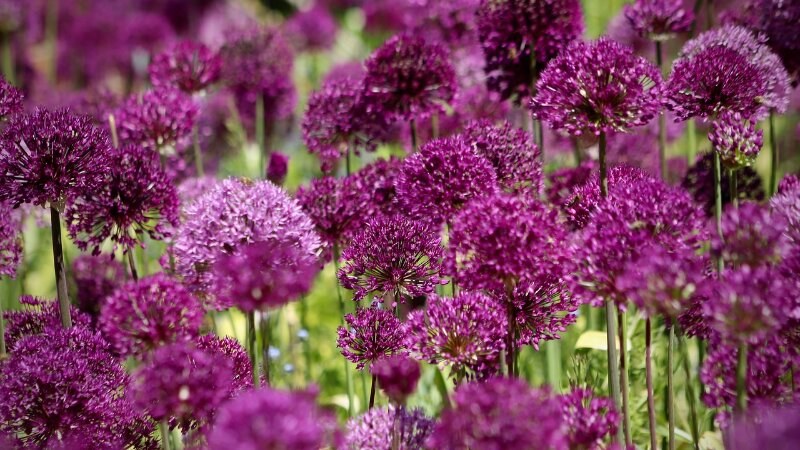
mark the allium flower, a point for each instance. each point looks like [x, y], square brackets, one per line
[10, 240]
[501, 413]
[519, 37]
[392, 257]
[598, 87]
[231, 349]
[191, 189]
[787, 205]
[397, 376]
[441, 178]
[95, 277]
[776, 428]
[277, 167]
[751, 235]
[377, 428]
[448, 21]
[311, 30]
[263, 275]
[659, 20]
[10, 99]
[585, 199]
[699, 182]
[515, 158]
[332, 207]
[143, 315]
[159, 120]
[563, 182]
[232, 214]
[790, 183]
[467, 332]
[272, 419]
[620, 29]
[36, 317]
[183, 383]
[371, 334]
[189, 66]
[136, 198]
[412, 79]
[375, 182]
[736, 139]
[542, 306]
[46, 156]
[590, 419]
[777, 20]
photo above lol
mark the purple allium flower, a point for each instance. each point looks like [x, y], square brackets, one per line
[231, 349]
[787, 206]
[585, 199]
[620, 29]
[563, 182]
[332, 208]
[64, 384]
[397, 376]
[516, 159]
[375, 182]
[311, 30]
[699, 182]
[410, 78]
[590, 419]
[10, 240]
[376, 429]
[183, 383]
[271, 419]
[160, 120]
[448, 21]
[136, 198]
[519, 37]
[752, 235]
[192, 189]
[659, 20]
[371, 334]
[441, 178]
[692, 320]
[189, 66]
[47, 156]
[277, 167]
[467, 332]
[263, 275]
[143, 315]
[736, 139]
[598, 87]
[392, 257]
[789, 183]
[10, 99]
[777, 20]
[234, 213]
[36, 317]
[95, 277]
[775, 428]
[542, 306]
[501, 413]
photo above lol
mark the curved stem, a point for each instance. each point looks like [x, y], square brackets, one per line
[648, 367]
[741, 379]
[613, 368]
[623, 376]
[773, 173]
[671, 386]
[58, 265]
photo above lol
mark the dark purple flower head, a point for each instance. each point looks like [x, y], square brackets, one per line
[620, 29]
[790, 183]
[375, 429]
[397, 376]
[271, 419]
[501, 413]
[10, 240]
[277, 167]
[371, 334]
[775, 429]
[786, 205]
[37, 316]
[188, 66]
[136, 198]
[736, 139]
[10, 99]
[514, 156]
[519, 37]
[590, 419]
[659, 20]
[466, 332]
[263, 275]
[699, 182]
[410, 78]
[752, 235]
[436, 182]
[777, 20]
[375, 184]
[448, 21]
[585, 199]
[231, 349]
[311, 30]
[47, 156]
[394, 258]
[543, 306]
[331, 207]
[159, 120]
[96, 277]
[563, 182]
[598, 87]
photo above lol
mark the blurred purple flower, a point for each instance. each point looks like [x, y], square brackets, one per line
[397, 376]
[160, 120]
[590, 419]
[699, 182]
[377, 428]
[231, 349]
[10, 99]
[96, 277]
[311, 30]
[371, 333]
[775, 428]
[277, 167]
[659, 20]
[563, 183]
[334, 209]
[36, 317]
[777, 21]
[188, 66]
[752, 236]
[11, 251]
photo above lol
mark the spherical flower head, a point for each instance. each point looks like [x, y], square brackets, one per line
[371, 334]
[263, 275]
[36, 317]
[436, 182]
[514, 156]
[448, 21]
[412, 79]
[10, 99]
[466, 332]
[699, 182]
[331, 207]
[10, 240]
[143, 315]
[311, 30]
[496, 241]
[394, 258]
[376, 429]
[95, 277]
[519, 35]
[374, 184]
[501, 413]
[270, 419]
[191, 189]
[277, 167]
[188, 66]
[137, 198]
[563, 182]
[775, 428]
[397, 376]
[659, 20]
[47, 155]
[590, 419]
[232, 350]
[183, 383]
[236, 212]
[736, 139]
[777, 21]
[543, 306]
[159, 120]
[787, 206]
[752, 235]
[789, 183]
[597, 87]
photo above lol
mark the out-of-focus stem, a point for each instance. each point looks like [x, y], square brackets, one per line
[553, 354]
[132, 265]
[741, 379]
[671, 385]
[264, 328]
[733, 185]
[692, 147]
[261, 135]
[198, 154]
[348, 374]
[718, 204]
[603, 168]
[623, 376]
[414, 138]
[662, 120]
[163, 430]
[774, 156]
[58, 265]
[112, 125]
[648, 367]
[372, 392]
[51, 36]
[7, 57]
[690, 399]
[252, 348]
[2, 320]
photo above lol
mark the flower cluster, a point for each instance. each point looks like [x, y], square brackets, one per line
[189, 66]
[10, 99]
[371, 334]
[36, 317]
[160, 120]
[397, 376]
[380, 428]
[735, 139]
[659, 20]
[10, 242]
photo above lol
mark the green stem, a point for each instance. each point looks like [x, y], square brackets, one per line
[662, 120]
[671, 386]
[435, 126]
[58, 265]
[648, 367]
[51, 36]
[603, 168]
[576, 152]
[773, 143]
[553, 354]
[264, 328]
[348, 374]
[372, 392]
[718, 204]
[414, 144]
[7, 57]
[198, 155]
[690, 399]
[163, 430]
[623, 376]
[252, 348]
[733, 186]
[7, 288]
[441, 386]
[307, 340]
[613, 361]
[261, 136]
[691, 133]
[741, 379]
[132, 264]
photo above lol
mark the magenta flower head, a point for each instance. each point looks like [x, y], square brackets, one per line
[699, 182]
[752, 236]
[397, 376]
[585, 199]
[136, 198]
[10, 240]
[375, 183]
[597, 87]
[436, 182]
[263, 275]
[46, 156]
[736, 139]
[590, 419]
[501, 413]
[188, 66]
[311, 30]
[466, 332]
[95, 277]
[371, 334]
[775, 428]
[159, 120]
[659, 20]
[412, 79]
[394, 258]
[36, 317]
[777, 20]
[543, 306]
[562, 182]
[277, 167]
[271, 419]
[332, 207]
[231, 349]
[377, 428]
[789, 183]
[519, 37]
[146, 314]
[10, 99]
